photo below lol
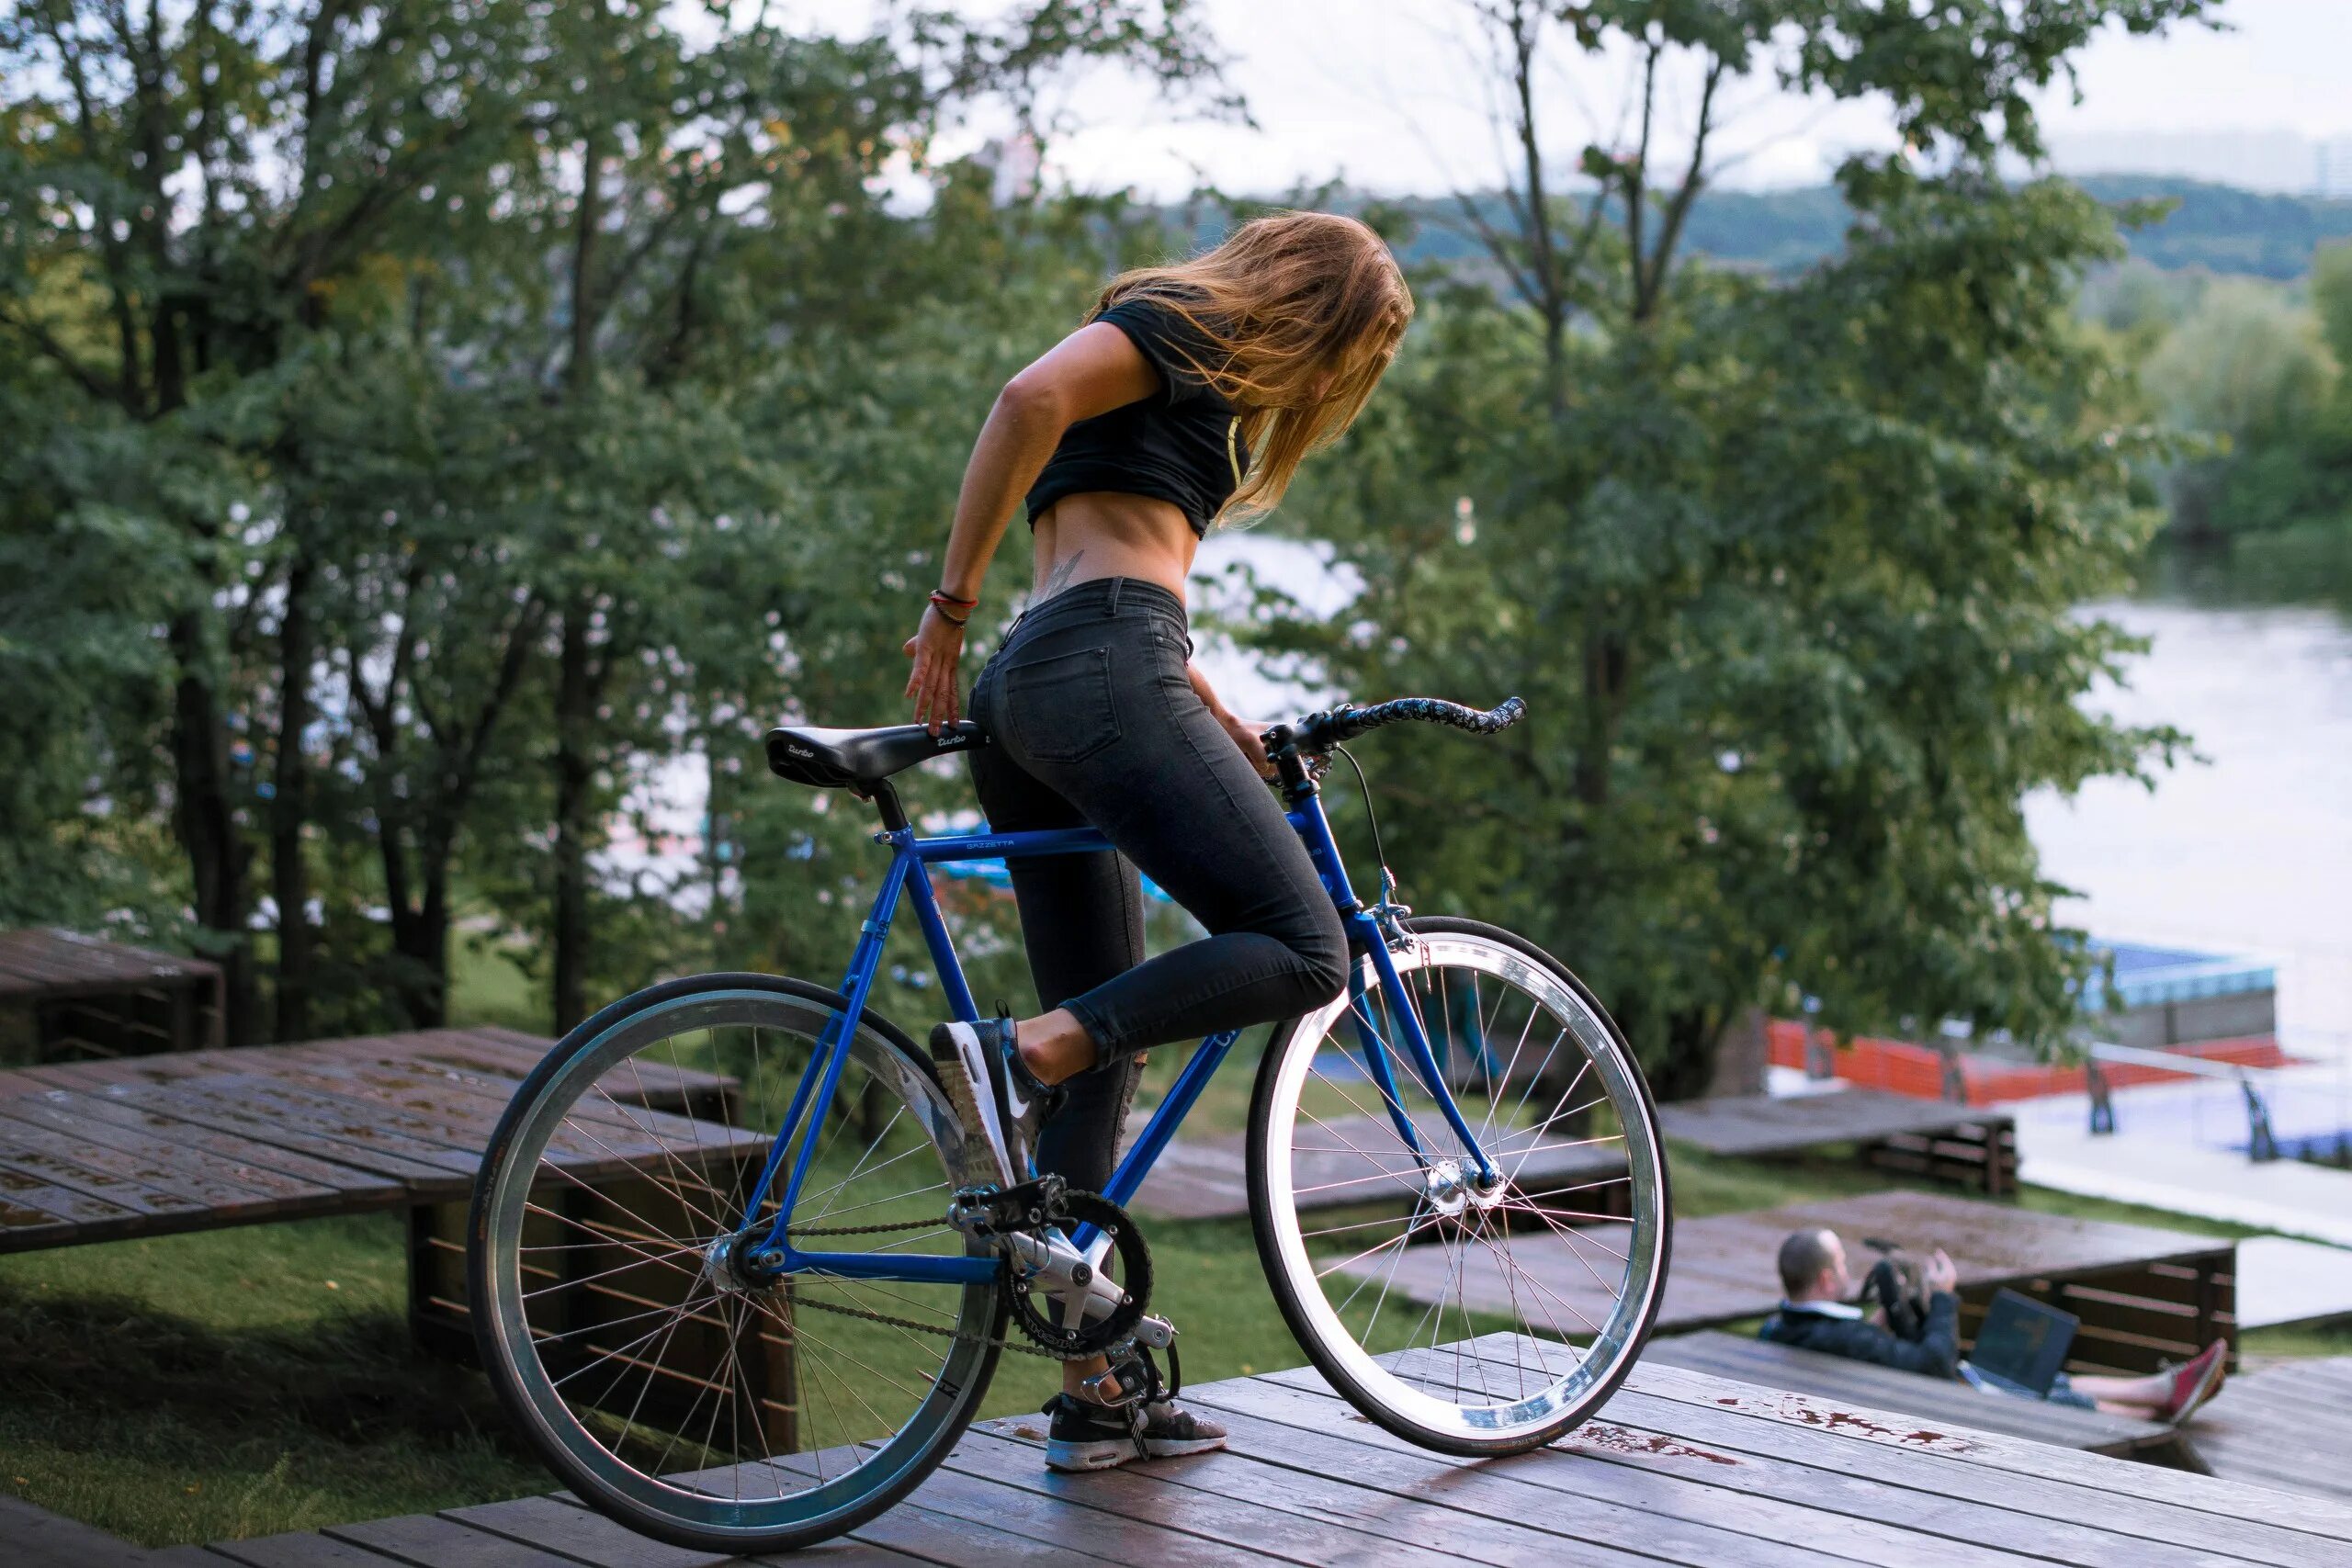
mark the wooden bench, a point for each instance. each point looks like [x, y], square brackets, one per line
[81, 996]
[1681, 1468]
[1972, 1149]
[2287, 1424]
[1940, 1400]
[2144, 1296]
[157, 1145]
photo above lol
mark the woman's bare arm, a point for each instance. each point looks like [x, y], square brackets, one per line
[1095, 369]
[1246, 734]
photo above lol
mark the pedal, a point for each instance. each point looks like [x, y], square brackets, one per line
[987, 1211]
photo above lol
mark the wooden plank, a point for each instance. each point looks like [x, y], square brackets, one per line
[29, 1152]
[300, 1548]
[32, 1192]
[2288, 1426]
[1235, 1520]
[35, 1538]
[578, 1533]
[1593, 1517]
[429, 1541]
[1879, 1466]
[239, 1105]
[1806, 1372]
[962, 1499]
[357, 1187]
[2183, 1506]
[1675, 1480]
[232, 1191]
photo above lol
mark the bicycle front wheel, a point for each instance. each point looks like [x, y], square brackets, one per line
[672, 1385]
[1467, 1317]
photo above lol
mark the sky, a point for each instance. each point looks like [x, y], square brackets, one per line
[1388, 94]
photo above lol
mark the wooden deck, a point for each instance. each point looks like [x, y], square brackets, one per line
[1685, 1469]
[2143, 1295]
[1940, 1400]
[1972, 1149]
[88, 997]
[1207, 1178]
[2287, 1425]
[207, 1140]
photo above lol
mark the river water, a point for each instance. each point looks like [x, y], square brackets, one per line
[2247, 849]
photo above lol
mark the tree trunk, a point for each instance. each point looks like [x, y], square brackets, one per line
[205, 817]
[574, 718]
[290, 877]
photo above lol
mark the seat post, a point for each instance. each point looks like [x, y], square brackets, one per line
[886, 800]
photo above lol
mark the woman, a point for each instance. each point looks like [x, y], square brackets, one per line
[1192, 394]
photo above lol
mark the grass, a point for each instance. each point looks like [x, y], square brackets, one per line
[242, 1382]
[261, 1380]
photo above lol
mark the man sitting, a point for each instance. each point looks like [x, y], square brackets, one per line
[1817, 1314]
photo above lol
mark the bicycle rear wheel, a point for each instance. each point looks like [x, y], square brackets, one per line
[670, 1385]
[1470, 1318]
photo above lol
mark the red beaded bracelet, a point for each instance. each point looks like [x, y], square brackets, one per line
[940, 602]
[941, 596]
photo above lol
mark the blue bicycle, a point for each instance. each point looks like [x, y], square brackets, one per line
[786, 1310]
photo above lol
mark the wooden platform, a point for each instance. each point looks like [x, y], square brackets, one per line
[92, 998]
[209, 1139]
[1941, 1400]
[1207, 1178]
[2143, 1295]
[1972, 1149]
[154, 1145]
[1684, 1469]
[2287, 1425]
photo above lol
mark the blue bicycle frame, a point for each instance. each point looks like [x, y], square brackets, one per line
[910, 875]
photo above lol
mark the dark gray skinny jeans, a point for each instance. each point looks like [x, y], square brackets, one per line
[1092, 720]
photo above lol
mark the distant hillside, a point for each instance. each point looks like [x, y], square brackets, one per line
[2218, 228]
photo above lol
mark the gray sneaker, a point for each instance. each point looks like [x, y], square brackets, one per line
[1086, 1436]
[994, 1091]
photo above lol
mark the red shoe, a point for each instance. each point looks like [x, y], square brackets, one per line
[2194, 1382]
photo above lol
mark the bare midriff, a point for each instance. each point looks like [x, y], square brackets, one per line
[1109, 534]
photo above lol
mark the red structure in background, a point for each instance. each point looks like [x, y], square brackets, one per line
[1899, 1067]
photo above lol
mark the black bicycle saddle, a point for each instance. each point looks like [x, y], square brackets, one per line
[860, 758]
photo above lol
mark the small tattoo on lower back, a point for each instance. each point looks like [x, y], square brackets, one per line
[1057, 579]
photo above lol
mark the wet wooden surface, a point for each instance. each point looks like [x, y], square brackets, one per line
[2287, 1425]
[2115, 1276]
[1777, 1124]
[1352, 1163]
[1750, 1359]
[95, 1151]
[1682, 1468]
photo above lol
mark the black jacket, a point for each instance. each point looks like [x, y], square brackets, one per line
[1936, 1352]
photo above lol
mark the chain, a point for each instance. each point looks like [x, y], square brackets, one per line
[948, 1329]
[915, 1323]
[866, 1230]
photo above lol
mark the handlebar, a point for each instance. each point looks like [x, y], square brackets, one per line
[1316, 733]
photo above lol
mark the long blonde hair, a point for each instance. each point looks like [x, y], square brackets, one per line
[1298, 313]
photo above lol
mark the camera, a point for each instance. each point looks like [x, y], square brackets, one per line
[1899, 1287]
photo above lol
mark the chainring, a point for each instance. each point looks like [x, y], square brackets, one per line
[1031, 1309]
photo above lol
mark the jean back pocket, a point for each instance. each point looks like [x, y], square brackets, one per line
[1060, 706]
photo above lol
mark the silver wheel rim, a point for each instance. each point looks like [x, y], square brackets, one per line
[804, 1486]
[1493, 1399]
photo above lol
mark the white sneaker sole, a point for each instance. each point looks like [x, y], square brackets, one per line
[1078, 1458]
[969, 1088]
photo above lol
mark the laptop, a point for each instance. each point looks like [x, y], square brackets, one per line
[2022, 1342]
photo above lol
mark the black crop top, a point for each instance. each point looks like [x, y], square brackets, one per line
[1182, 446]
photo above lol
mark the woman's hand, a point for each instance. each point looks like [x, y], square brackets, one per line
[1250, 737]
[937, 644]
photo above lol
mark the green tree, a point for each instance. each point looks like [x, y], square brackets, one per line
[1784, 572]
